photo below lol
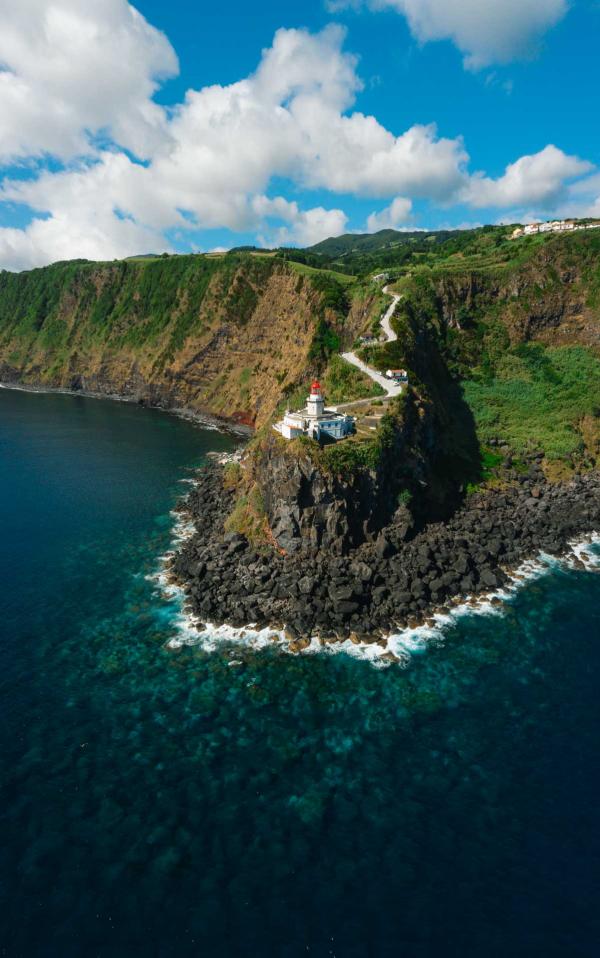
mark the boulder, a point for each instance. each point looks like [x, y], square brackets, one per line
[306, 585]
[489, 579]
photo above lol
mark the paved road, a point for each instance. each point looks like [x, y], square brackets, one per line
[386, 321]
[391, 388]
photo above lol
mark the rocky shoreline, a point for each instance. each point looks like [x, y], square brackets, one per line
[382, 586]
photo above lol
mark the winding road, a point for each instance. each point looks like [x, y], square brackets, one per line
[391, 388]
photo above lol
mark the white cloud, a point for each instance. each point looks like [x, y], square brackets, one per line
[210, 160]
[71, 69]
[304, 227]
[582, 198]
[396, 214]
[220, 149]
[95, 235]
[287, 120]
[485, 31]
[532, 180]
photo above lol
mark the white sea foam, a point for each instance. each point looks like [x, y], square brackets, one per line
[223, 458]
[398, 647]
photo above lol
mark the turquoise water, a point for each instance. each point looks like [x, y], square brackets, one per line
[162, 802]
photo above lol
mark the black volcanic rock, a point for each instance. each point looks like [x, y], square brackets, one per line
[375, 587]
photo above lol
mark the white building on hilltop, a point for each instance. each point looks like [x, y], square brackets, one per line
[556, 226]
[315, 420]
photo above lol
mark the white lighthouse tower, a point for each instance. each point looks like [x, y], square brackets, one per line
[315, 405]
[315, 420]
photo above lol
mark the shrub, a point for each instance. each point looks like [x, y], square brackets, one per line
[325, 342]
[344, 382]
[537, 398]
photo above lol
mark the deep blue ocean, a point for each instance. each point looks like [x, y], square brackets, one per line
[159, 802]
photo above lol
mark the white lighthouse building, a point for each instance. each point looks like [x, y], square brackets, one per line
[315, 420]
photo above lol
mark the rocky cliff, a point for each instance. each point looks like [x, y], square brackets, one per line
[551, 296]
[337, 497]
[234, 335]
[449, 324]
[224, 335]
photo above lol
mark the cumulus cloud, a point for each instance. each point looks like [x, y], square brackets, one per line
[219, 149]
[582, 198]
[396, 214]
[539, 179]
[86, 234]
[70, 70]
[85, 213]
[485, 31]
[288, 120]
[303, 227]
[209, 161]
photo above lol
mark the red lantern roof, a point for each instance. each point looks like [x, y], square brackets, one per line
[316, 387]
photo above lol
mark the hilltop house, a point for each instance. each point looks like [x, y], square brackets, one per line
[555, 226]
[315, 420]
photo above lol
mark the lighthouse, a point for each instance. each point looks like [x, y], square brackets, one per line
[315, 420]
[315, 404]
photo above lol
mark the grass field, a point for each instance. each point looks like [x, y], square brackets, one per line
[539, 397]
[343, 382]
[305, 270]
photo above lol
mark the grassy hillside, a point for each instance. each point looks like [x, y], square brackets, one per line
[518, 327]
[356, 243]
[501, 338]
[361, 254]
[225, 334]
[548, 398]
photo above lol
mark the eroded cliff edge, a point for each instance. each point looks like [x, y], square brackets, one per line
[376, 533]
[228, 336]
[490, 456]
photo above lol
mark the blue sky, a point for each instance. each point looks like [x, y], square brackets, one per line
[169, 126]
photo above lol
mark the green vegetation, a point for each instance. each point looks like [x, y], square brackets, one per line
[333, 299]
[343, 382]
[538, 398]
[361, 255]
[333, 293]
[351, 456]
[130, 303]
[356, 453]
[325, 342]
[319, 271]
[459, 321]
[232, 474]
[249, 517]
[490, 460]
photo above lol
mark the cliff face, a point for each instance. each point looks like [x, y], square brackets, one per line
[234, 335]
[552, 297]
[446, 324]
[220, 335]
[312, 505]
